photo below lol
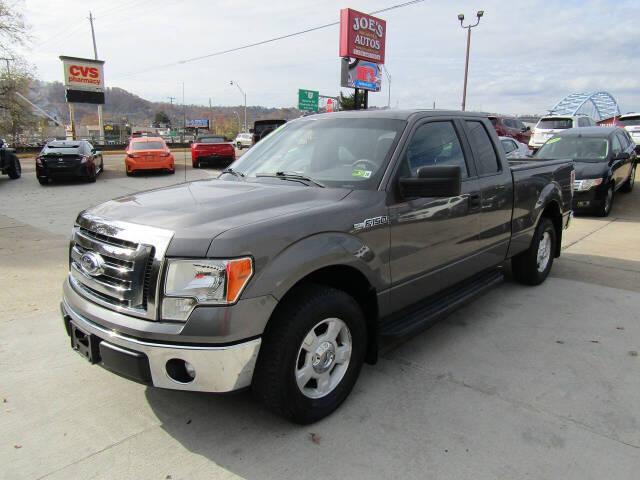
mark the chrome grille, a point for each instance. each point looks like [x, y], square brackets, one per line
[108, 266]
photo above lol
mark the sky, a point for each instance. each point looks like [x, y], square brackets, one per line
[525, 55]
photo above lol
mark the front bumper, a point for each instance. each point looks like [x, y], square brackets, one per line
[217, 369]
[589, 199]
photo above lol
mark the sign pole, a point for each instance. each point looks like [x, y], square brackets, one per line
[95, 52]
[72, 118]
[356, 102]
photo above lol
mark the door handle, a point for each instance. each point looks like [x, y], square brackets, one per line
[474, 200]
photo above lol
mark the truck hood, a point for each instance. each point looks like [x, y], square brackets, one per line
[197, 212]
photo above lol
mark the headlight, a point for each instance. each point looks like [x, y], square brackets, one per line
[587, 184]
[203, 282]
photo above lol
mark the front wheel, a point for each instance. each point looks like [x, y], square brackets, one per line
[311, 354]
[607, 203]
[532, 266]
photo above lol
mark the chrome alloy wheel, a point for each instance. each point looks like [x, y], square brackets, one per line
[323, 358]
[544, 252]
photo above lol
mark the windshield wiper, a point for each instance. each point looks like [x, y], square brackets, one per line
[291, 176]
[233, 172]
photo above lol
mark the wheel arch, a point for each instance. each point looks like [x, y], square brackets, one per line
[353, 282]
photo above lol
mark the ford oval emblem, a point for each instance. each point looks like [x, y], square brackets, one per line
[92, 263]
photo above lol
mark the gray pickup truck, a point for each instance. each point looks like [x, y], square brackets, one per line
[332, 238]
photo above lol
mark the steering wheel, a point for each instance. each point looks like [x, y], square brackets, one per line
[367, 163]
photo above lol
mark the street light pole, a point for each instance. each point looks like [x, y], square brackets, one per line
[386, 72]
[245, 103]
[479, 14]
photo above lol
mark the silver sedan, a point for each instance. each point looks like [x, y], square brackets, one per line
[513, 148]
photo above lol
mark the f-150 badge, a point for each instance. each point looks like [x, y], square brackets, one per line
[371, 222]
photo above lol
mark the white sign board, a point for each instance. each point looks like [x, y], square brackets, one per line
[83, 74]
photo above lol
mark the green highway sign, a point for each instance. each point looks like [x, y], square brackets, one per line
[308, 100]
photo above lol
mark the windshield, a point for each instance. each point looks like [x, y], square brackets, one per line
[137, 146]
[210, 140]
[575, 148]
[338, 152]
[625, 122]
[554, 123]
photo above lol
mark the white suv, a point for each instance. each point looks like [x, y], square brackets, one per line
[244, 140]
[547, 127]
[631, 123]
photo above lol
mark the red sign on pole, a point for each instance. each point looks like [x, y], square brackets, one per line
[329, 106]
[362, 36]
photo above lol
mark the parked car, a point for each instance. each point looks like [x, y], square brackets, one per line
[548, 126]
[212, 149]
[605, 160]
[631, 123]
[262, 128]
[297, 264]
[9, 162]
[243, 140]
[64, 159]
[511, 127]
[148, 153]
[513, 148]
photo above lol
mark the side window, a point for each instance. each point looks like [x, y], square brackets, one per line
[433, 144]
[483, 152]
[624, 140]
[508, 145]
[616, 148]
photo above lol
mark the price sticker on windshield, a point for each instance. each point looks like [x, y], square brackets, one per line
[361, 173]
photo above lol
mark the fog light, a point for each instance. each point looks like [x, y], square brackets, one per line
[176, 308]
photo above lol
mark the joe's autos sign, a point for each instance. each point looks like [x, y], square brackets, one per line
[83, 79]
[362, 36]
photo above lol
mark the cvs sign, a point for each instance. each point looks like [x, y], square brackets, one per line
[83, 74]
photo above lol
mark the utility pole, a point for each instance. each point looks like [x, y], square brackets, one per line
[210, 115]
[479, 14]
[184, 116]
[171, 99]
[95, 53]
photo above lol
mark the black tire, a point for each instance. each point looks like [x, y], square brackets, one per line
[239, 146]
[525, 265]
[628, 185]
[92, 177]
[129, 174]
[274, 380]
[15, 170]
[43, 181]
[607, 203]
[196, 164]
[172, 171]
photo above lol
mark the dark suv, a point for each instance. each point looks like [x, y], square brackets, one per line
[511, 127]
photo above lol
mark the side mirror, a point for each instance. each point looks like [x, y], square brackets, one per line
[442, 181]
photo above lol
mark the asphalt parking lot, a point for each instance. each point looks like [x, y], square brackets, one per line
[525, 382]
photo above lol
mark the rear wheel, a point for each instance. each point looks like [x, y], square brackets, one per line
[15, 170]
[43, 181]
[129, 173]
[532, 266]
[196, 164]
[311, 354]
[628, 186]
[94, 174]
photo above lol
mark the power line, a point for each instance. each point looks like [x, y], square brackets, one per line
[263, 42]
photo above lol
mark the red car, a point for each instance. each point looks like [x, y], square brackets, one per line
[511, 127]
[210, 149]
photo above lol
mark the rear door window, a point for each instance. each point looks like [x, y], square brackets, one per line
[616, 147]
[435, 144]
[483, 151]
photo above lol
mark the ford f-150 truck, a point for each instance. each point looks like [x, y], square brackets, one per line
[333, 237]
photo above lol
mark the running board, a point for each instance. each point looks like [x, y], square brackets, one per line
[428, 311]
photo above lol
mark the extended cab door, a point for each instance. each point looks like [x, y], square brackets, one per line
[495, 185]
[432, 239]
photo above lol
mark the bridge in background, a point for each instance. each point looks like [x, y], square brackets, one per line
[599, 105]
